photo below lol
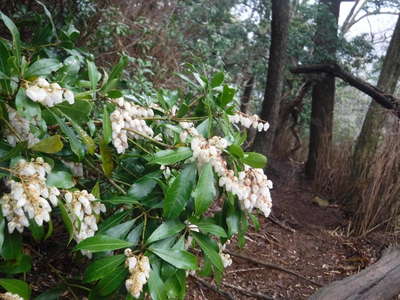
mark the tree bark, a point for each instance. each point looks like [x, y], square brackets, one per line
[323, 94]
[379, 281]
[276, 68]
[248, 89]
[371, 135]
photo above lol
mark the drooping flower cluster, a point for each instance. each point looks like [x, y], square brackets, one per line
[21, 129]
[83, 209]
[29, 198]
[48, 94]
[251, 186]
[139, 269]
[10, 296]
[249, 121]
[225, 257]
[127, 119]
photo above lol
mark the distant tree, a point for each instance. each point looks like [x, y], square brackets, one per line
[276, 68]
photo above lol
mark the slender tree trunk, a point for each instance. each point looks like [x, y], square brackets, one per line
[248, 89]
[323, 94]
[276, 68]
[371, 135]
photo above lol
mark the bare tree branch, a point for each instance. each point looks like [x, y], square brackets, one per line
[385, 100]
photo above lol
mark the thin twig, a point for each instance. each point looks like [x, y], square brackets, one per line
[281, 224]
[247, 292]
[272, 266]
[149, 138]
[214, 288]
[244, 270]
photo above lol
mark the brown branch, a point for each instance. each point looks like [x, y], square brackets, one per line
[247, 292]
[272, 266]
[385, 100]
[214, 288]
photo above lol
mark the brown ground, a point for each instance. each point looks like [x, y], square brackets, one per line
[319, 247]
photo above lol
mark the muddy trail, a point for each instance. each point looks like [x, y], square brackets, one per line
[301, 247]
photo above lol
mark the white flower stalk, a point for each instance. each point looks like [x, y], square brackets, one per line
[83, 209]
[48, 94]
[125, 120]
[139, 269]
[29, 198]
[10, 296]
[249, 121]
[21, 130]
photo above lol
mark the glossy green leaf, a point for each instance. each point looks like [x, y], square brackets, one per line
[94, 76]
[36, 230]
[15, 36]
[236, 151]
[115, 74]
[208, 227]
[26, 107]
[100, 243]
[60, 179]
[178, 193]
[22, 264]
[205, 192]
[121, 199]
[112, 221]
[79, 111]
[135, 234]
[165, 230]
[43, 67]
[144, 185]
[226, 96]
[208, 247]
[156, 286]
[112, 282]
[255, 160]
[51, 294]
[107, 130]
[121, 230]
[179, 258]
[103, 267]
[12, 246]
[217, 79]
[51, 144]
[67, 220]
[107, 163]
[16, 286]
[169, 157]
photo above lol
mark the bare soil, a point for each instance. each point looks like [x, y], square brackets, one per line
[303, 237]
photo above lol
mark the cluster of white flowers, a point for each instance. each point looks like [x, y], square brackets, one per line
[251, 186]
[48, 94]
[139, 269]
[125, 120]
[29, 198]
[249, 121]
[21, 128]
[10, 296]
[225, 257]
[188, 131]
[83, 209]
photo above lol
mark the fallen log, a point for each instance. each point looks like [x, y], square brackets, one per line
[379, 281]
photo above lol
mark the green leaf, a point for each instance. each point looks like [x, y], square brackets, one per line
[76, 145]
[100, 243]
[217, 79]
[14, 152]
[236, 151]
[107, 163]
[107, 130]
[165, 230]
[51, 144]
[169, 157]
[96, 190]
[255, 160]
[178, 193]
[208, 247]
[22, 264]
[205, 191]
[135, 235]
[67, 221]
[26, 107]
[156, 286]
[121, 230]
[79, 111]
[144, 185]
[2, 226]
[15, 36]
[179, 258]
[115, 74]
[226, 96]
[208, 227]
[51, 294]
[115, 219]
[37, 231]
[112, 282]
[43, 67]
[102, 267]
[15, 286]
[48, 14]
[12, 246]
[94, 76]
[5, 67]
[119, 199]
[60, 179]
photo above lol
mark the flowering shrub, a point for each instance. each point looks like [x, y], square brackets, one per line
[148, 186]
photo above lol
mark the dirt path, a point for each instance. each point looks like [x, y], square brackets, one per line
[318, 247]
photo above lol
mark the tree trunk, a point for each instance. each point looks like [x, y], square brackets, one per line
[371, 135]
[323, 94]
[248, 89]
[276, 68]
[379, 281]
